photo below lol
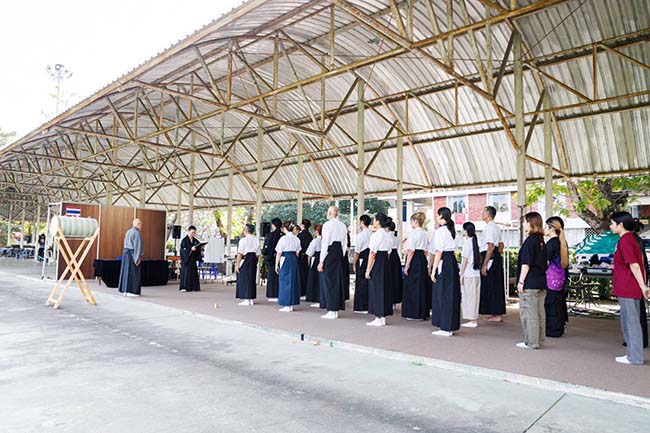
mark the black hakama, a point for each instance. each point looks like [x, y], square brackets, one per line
[246, 284]
[397, 282]
[445, 304]
[416, 300]
[289, 280]
[345, 276]
[380, 296]
[360, 283]
[313, 278]
[272, 282]
[493, 296]
[554, 313]
[303, 269]
[129, 274]
[332, 290]
[189, 278]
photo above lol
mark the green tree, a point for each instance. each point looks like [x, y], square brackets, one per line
[6, 137]
[316, 211]
[596, 200]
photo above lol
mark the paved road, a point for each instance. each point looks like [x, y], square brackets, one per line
[132, 366]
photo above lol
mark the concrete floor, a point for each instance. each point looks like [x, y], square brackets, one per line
[129, 365]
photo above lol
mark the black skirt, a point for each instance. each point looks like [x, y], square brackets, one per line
[554, 313]
[380, 297]
[360, 283]
[445, 304]
[303, 268]
[313, 286]
[416, 300]
[493, 295]
[332, 295]
[397, 282]
[246, 284]
[272, 284]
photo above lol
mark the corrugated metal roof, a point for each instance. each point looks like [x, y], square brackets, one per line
[604, 137]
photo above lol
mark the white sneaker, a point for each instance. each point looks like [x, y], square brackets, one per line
[132, 295]
[183, 290]
[361, 312]
[251, 302]
[442, 333]
[303, 298]
[383, 321]
[316, 305]
[245, 302]
[376, 322]
[623, 359]
[273, 299]
[330, 315]
[523, 345]
[288, 309]
[471, 324]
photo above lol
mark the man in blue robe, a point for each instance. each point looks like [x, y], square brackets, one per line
[130, 283]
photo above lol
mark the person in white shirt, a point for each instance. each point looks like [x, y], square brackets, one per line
[445, 305]
[248, 252]
[493, 297]
[416, 302]
[333, 247]
[360, 264]
[286, 265]
[313, 277]
[380, 297]
[470, 276]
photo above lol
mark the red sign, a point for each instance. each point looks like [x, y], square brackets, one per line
[459, 219]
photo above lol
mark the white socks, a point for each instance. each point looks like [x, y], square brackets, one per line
[246, 302]
[317, 305]
[331, 315]
[379, 321]
[470, 324]
[442, 333]
[288, 309]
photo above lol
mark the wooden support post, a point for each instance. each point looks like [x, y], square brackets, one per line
[229, 213]
[11, 211]
[548, 158]
[35, 230]
[400, 192]
[361, 155]
[191, 188]
[519, 130]
[143, 191]
[260, 181]
[300, 183]
[22, 227]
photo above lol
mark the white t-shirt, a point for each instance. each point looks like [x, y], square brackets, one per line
[491, 234]
[248, 244]
[443, 241]
[362, 240]
[380, 241]
[314, 247]
[468, 254]
[288, 242]
[417, 240]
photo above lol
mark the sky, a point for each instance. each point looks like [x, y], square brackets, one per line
[97, 41]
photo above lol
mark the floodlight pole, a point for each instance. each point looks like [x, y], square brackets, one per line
[59, 73]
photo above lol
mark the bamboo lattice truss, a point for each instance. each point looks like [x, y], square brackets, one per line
[73, 261]
[284, 101]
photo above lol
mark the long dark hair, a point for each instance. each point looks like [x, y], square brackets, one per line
[470, 228]
[624, 218]
[445, 213]
[638, 227]
[382, 219]
[557, 224]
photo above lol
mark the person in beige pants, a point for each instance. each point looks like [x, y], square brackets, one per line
[531, 282]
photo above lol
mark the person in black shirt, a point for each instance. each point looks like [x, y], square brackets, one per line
[531, 282]
[557, 253]
[303, 261]
[268, 251]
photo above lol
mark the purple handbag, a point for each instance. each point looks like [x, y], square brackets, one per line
[555, 275]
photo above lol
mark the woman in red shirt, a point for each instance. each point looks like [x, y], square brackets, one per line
[629, 285]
